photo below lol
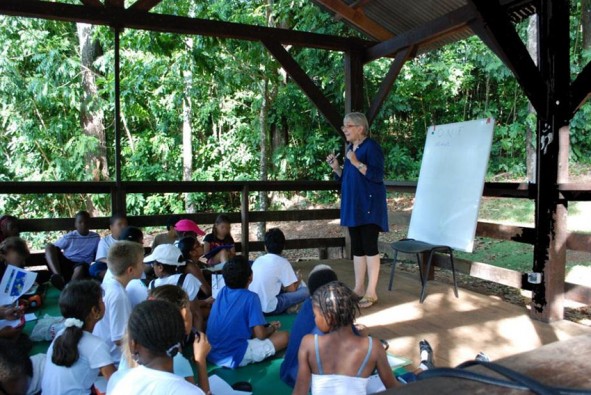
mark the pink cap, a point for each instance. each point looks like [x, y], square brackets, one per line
[186, 225]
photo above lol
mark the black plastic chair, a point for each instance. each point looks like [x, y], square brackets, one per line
[411, 246]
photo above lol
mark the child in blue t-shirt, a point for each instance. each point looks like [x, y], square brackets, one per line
[69, 257]
[237, 330]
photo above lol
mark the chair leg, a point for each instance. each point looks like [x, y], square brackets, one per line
[453, 272]
[419, 263]
[425, 279]
[392, 270]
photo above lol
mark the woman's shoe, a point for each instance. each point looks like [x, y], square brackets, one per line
[367, 301]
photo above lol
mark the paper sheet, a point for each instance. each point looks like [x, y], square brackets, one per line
[219, 387]
[30, 317]
[14, 284]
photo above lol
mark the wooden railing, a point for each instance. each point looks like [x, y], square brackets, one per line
[572, 192]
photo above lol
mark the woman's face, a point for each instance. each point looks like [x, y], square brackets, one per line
[223, 229]
[352, 131]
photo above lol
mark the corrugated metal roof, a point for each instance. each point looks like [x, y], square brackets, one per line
[399, 16]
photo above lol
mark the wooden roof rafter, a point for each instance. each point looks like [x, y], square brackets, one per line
[499, 33]
[357, 18]
[133, 19]
[580, 89]
[115, 3]
[447, 24]
[92, 3]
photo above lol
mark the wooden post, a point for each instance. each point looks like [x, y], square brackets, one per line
[550, 214]
[244, 217]
[353, 81]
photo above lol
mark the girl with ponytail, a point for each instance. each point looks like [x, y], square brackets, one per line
[76, 356]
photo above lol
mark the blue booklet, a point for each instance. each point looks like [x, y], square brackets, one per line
[214, 251]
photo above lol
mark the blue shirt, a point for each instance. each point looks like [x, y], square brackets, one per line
[363, 197]
[233, 315]
[78, 248]
[303, 325]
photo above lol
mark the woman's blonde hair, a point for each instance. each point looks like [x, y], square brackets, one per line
[358, 118]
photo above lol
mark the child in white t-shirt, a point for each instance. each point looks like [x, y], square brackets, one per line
[167, 261]
[125, 261]
[181, 365]
[76, 356]
[156, 330]
[274, 280]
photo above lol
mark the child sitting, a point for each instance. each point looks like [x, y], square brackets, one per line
[117, 223]
[8, 227]
[167, 260]
[76, 356]
[155, 332]
[219, 237]
[274, 280]
[237, 329]
[125, 261]
[181, 365]
[304, 324]
[16, 369]
[168, 237]
[69, 257]
[13, 251]
[192, 250]
[187, 228]
[339, 362]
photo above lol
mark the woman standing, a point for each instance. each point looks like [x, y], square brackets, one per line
[363, 202]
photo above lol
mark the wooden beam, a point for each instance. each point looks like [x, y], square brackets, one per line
[503, 37]
[92, 3]
[295, 71]
[115, 3]
[357, 18]
[144, 5]
[422, 35]
[353, 81]
[580, 89]
[388, 82]
[126, 18]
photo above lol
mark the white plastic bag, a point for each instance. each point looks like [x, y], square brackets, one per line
[46, 328]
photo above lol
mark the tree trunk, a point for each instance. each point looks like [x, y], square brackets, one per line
[586, 22]
[91, 114]
[264, 158]
[530, 138]
[188, 129]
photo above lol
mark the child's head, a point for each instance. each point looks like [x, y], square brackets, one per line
[171, 222]
[191, 248]
[274, 241]
[131, 233]
[166, 258]
[237, 272]
[81, 304]
[221, 226]
[335, 306]
[16, 369]
[8, 226]
[187, 228]
[82, 222]
[178, 297]
[117, 223]
[14, 251]
[319, 276]
[155, 329]
[125, 258]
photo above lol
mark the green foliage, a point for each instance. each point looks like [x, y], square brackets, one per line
[224, 81]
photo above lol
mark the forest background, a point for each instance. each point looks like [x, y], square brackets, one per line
[206, 109]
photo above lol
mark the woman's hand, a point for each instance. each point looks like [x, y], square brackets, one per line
[352, 157]
[201, 347]
[332, 160]
[11, 313]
